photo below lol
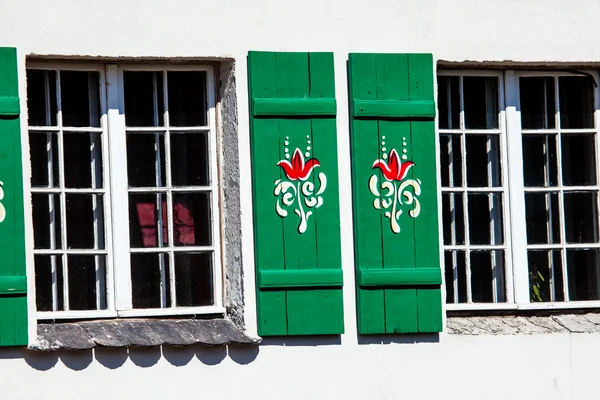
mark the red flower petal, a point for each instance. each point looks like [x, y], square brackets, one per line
[288, 169]
[310, 164]
[298, 162]
[404, 169]
[394, 163]
[387, 172]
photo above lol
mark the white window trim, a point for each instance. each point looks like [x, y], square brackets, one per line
[517, 271]
[113, 128]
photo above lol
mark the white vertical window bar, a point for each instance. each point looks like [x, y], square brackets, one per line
[561, 200]
[170, 229]
[452, 195]
[63, 198]
[466, 193]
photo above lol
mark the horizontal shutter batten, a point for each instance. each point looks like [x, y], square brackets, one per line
[9, 106]
[400, 277]
[384, 109]
[13, 285]
[320, 107]
[301, 278]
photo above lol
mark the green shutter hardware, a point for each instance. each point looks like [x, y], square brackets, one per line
[13, 287]
[395, 193]
[295, 193]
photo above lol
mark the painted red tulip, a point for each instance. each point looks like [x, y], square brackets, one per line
[298, 169]
[394, 169]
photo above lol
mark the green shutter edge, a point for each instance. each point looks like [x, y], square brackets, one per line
[399, 277]
[293, 107]
[301, 278]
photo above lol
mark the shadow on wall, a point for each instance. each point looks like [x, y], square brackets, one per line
[114, 358]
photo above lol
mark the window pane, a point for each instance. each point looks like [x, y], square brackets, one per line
[85, 221]
[453, 218]
[144, 105]
[451, 160]
[149, 280]
[46, 221]
[148, 220]
[83, 160]
[455, 270]
[146, 160]
[581, 217]
[485, 218]
[483, 161]
[187, 98]
[539, 160]
[583, 270]
[192, 219]
[448, 102]
[578, 159]
[545, 276]
[43, 150]
[576, 95]
[487, 276]
[542, 218]
[189, 159]
[193, 279]
[480, 102]
[86, 273]
[80, 98]
[41, 97]
[537, 102]
[48, 275]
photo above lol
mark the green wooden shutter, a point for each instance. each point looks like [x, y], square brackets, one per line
[13, 284]
[296, 213]
[396, 240]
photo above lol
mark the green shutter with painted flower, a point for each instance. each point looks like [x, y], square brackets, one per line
[295, 193]
[396, 238]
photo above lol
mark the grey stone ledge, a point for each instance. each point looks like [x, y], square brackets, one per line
[523, 324]
[139, 332]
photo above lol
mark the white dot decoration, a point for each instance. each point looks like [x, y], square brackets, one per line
[384, 156]
[383, 143]
[403, 138]
[287, 156]
[383, 149]
[287, 138]
[383, 138]
[286, 150]
[308, 136]
[307, 154]
[404, 151]
[308, 148]
[403, 143]
[404, 157]
[308, 141]
[286, 143]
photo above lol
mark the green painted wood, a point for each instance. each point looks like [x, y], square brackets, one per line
[301, 278]
[13, 306]
[384, 109]
[399, 277]
[13, 285]
[293, 107]
[9, 106]
[295, 311]
[395, 92]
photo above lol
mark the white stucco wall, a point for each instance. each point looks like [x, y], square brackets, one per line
[551, 366]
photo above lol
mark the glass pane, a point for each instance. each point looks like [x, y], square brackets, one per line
[448, 102]
[144, 105]
[191, 219]
[451, 160]
[46, 221]
[43, 150]
[455, 270]
[581, 217]
[187, 98]
[86, 273]
[485, 218]
[80, 98]
[578, 159]
[542, 218]
[85, 221]
[480, 102]
[545, 276]
[538, 105]
[193, 279]
[146, 160]
[149, 280]
[41, 97]
[483, 161]
[148, 220]
[539, 160]
[583, 270]
[453, 218]
[576, 95]
[189, 159]
[487, 276]
[48, 282]
[83, 160]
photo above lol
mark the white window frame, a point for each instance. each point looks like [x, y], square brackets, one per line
[116, 210]
[516, 268]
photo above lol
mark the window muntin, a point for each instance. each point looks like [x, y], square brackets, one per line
[473, 191]
[76, 131]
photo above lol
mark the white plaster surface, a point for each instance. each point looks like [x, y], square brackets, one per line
[483, 366]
